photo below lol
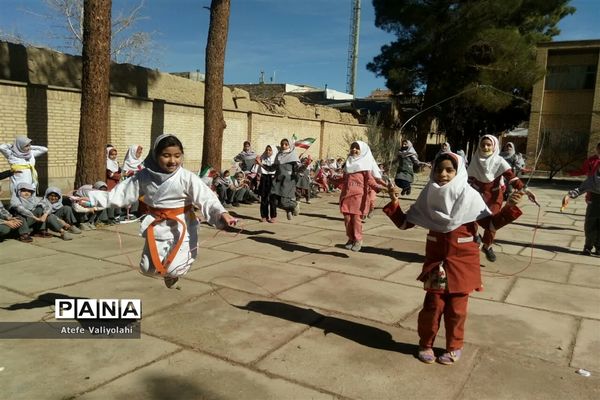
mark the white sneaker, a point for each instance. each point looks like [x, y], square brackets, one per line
[296, 209]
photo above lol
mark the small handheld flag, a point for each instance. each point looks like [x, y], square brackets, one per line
[304, 143]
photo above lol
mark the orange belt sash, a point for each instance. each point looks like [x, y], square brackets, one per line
[163, 214]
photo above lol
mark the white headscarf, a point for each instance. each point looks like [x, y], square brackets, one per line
[151, 164]
[268, 161]
[445, 208]
[17, 148]
[509, 152]
[486, 168]
[288, 156]
[363, 162]
[58, 205]
[131, 162]
[410, 151]
[83, 191]
[29, 204]
[111, 165]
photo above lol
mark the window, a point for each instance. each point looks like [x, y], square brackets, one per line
[571, 77]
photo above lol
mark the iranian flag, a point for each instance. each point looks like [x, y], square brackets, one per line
[304, 143]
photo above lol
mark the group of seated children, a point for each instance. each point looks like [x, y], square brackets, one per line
[31, 215]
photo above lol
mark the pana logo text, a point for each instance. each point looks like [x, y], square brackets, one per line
[97, 309]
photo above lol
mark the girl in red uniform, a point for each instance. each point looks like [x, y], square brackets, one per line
[355, 200]
[451, 210]
[489, 174]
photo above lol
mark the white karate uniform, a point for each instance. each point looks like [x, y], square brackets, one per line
[182, 189]
[25, 176]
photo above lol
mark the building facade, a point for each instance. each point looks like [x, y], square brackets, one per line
[567, 100]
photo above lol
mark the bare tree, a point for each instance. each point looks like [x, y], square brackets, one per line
[560, 149]
[95, 95]
[127, 45]
[214, 123]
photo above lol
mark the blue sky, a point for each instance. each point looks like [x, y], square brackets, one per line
[292, 41]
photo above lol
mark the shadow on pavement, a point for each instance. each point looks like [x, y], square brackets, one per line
[324, 216]
[397, 255]
[362, 334]
[547, 247]
[293, 246]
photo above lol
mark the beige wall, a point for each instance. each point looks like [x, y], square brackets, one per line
[50, 116]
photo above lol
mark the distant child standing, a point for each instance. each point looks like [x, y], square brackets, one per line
[170, 194]
[451, 210]
[591, 227]
[286, 175]
[113, 171]
[354, 198]
[21, 156]
[268, 202]
[489, 174]
[407, 161]
[133, 160]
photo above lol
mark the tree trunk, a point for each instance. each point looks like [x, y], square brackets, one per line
[95, 93]
[214, 123]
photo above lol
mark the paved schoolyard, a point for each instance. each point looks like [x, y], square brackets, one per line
[283, 311]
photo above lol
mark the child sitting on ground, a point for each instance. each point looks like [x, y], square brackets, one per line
[451, 209]
[64, 213]
[36, 213]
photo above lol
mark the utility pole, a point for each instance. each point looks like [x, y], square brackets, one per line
[353, 48]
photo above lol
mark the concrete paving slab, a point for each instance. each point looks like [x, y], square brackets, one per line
[587, 347]
[569, 299]
[54, 272]
[363, 360]
[377, 261]
[526, 267]
[189, 375]
[255, 275]
[100, 245]
[585, 275]
[271, 248]
[368, 298]
[58, 369]
[13, 250]
[220, 324]
[133, 285]
[329, 238]
[18, 308]
[517, 329]
[498, 376]
[205, 257]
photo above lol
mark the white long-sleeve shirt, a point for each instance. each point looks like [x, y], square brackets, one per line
[182, 189]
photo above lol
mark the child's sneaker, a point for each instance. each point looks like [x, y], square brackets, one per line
[75, 230]
[356, 246]
[489, 253]
[349, 245]
[586, 252]
[84, 226]
[450, 357]
[263, 220]
[597, 252]
[66, 236]
[289, 215]
[426, 355]
[296, 211]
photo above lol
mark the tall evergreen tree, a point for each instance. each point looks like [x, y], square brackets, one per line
[95, 93]
[444, 47]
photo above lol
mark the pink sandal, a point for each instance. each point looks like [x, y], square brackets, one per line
[450, 357]
[426, 355]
